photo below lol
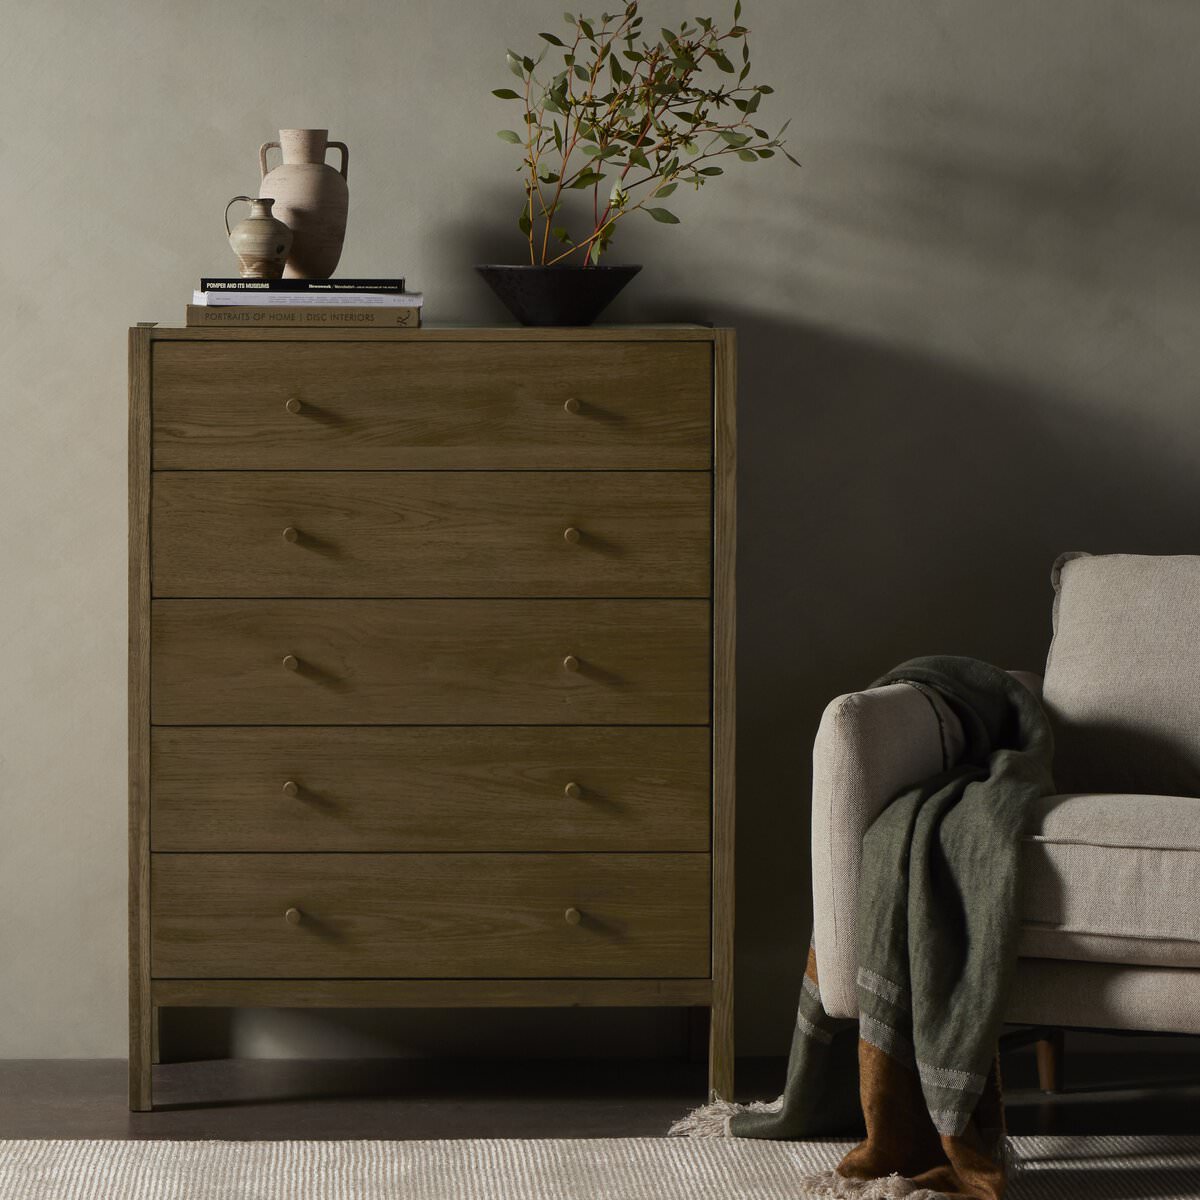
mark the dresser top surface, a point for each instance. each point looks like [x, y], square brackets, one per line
[445, 333]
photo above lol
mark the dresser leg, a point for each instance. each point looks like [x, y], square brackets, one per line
[141, 1059]
[720, 1053]
[155, 1051]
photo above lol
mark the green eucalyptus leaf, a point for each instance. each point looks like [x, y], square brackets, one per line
[663, 215]
[734, 139]
[719, 58]
[525, 224]
[514, 65]
[638, 158]
[580, 73]
[569, 18]
[766, 153]
[563, 236]
[711, 171]
[790, 158]
[737, 10]
[552, 39]
[505, 94]
[509, 135]
[747, 156]
[765, 89]
[663, 192]
[586, 26]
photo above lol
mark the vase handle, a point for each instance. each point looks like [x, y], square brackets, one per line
[232, 202]
[262, 156]
[345, 155]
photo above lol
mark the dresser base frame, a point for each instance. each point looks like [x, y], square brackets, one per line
[434, 993]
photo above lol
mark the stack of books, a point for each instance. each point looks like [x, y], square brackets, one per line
[305, 304]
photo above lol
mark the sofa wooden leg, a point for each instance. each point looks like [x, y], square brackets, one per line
[1050, 1052]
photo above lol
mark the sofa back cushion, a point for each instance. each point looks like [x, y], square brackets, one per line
[1122, 682]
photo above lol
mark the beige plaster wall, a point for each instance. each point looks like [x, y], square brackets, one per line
[968, 337]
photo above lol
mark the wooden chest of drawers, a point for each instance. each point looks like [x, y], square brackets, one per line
[431, 671]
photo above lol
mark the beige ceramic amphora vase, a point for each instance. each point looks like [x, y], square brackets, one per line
[311, 198]
[260, 241]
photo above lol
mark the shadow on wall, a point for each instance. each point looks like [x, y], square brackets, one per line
[891, 506]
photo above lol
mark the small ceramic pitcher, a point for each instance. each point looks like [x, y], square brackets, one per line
[260, 241]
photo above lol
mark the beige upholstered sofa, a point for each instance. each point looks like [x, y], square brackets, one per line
[1110, 912]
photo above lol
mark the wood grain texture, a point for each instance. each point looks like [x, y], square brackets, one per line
[430, 915]
[416, 404]
[487, 662]
[435, 724]
[721, 1029]
[430, 993]
[430, 789]
[593, 334]
[431, 533]
[141, 1050]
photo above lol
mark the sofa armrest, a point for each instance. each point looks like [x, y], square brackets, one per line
[870, 746]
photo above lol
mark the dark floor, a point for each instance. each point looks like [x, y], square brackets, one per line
[392, 1098]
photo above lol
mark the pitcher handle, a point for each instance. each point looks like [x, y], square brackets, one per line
[262, 156]
[345, 155]
[248, 199]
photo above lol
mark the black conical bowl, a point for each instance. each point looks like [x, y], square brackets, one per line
[556, 295]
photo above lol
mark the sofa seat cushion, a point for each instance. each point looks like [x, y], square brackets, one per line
[1113, 877]
[1122, 687]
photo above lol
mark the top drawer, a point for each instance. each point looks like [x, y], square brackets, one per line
[432, 405]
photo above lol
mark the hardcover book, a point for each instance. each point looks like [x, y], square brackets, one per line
[218, 284]
[305, 316]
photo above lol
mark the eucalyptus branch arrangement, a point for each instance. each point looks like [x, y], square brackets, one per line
[630, 119]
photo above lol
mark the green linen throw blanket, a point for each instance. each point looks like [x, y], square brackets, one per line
[937, 937]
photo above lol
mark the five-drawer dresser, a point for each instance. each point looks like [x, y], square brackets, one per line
[431, 671]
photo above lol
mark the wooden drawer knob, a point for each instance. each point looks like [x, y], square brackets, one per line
[570, 663]
[293, 916]
[294, 405]
[291, 534]
[291, 662]
[572, 791]
[291, 788]
[571, 534]
[571, 405]
[572, 916]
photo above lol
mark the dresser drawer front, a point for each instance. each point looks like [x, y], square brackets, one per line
[432, 405]
[431, 533]
[430, 789]
[430, 662]
[429, 915]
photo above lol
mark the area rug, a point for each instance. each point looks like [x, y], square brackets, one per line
[1052, 1168]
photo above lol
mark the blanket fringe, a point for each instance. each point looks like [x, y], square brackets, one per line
[829, 1185]
[712, 1120]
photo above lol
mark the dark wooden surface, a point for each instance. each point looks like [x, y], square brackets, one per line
[345, 597]
[430, 788]
[431, 662]
[417, 403]
[366, 916]
[432, 533]
[264, 1099]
